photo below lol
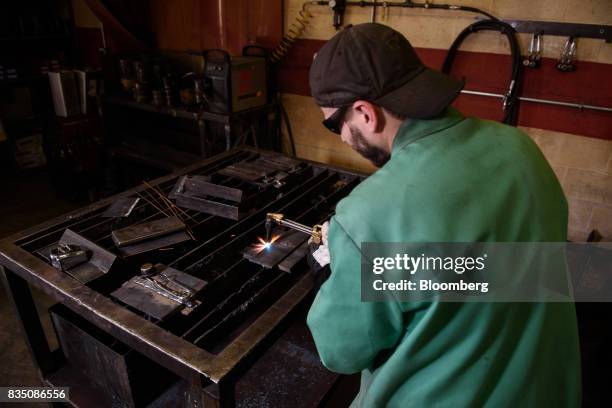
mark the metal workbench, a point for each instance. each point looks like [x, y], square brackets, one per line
[244, 308]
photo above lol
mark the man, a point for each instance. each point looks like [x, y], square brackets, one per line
[441, 178]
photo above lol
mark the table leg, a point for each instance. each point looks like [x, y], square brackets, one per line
[20, 298]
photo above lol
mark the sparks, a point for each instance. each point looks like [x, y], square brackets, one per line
[263, 245]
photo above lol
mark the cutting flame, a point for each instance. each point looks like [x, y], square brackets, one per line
[262, 245]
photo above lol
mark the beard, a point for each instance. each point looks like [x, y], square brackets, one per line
[377, 156]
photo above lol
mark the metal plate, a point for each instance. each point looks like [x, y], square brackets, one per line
[151, 303]
[153, 244]
[280, 249]
[121, 208]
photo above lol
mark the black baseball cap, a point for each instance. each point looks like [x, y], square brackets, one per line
[373, 62]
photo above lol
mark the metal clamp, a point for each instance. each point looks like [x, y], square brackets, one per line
[508, 98]
[568, 56]
[534, 60]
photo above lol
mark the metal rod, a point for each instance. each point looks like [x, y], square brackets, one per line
[296, 226]
[544, 101]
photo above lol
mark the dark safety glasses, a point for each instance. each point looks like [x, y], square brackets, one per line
[335, 121]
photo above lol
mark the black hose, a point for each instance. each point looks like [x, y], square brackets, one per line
[474, 10]
[511, 100]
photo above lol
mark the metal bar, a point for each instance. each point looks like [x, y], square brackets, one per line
[597, 31]
[152, 244]
[544, 101]
[145, 231]
[205, 188]
[287, 264]
[209, 207]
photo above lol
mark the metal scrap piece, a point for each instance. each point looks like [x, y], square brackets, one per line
[121, 208]
[279, 250]
[215, 190]
[148, 230]
[99, 262]
[65, 256]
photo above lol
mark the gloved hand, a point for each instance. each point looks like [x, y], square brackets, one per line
[321, 253]
[318, 258]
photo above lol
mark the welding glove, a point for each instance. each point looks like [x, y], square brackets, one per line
[321, 253]
[318, 258]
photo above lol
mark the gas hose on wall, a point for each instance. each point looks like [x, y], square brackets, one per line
[511, 98]
[293, 33]
[304, 16]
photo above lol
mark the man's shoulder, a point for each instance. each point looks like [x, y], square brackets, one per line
[374, 193]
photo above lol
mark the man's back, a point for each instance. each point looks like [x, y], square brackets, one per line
[450, 180]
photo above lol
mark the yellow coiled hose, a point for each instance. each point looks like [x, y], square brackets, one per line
[294, 32]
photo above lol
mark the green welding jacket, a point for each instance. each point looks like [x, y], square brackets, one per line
[450, 179]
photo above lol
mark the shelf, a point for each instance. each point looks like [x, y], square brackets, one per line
[82, 392]
[174, 112]
[182, 112]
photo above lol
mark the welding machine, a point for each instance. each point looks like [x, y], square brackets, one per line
[234, 84]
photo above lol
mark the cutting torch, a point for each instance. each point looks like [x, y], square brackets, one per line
[279, 219]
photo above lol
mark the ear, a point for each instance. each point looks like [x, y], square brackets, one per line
[368, 115]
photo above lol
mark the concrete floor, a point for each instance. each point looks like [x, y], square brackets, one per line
[29, 200]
